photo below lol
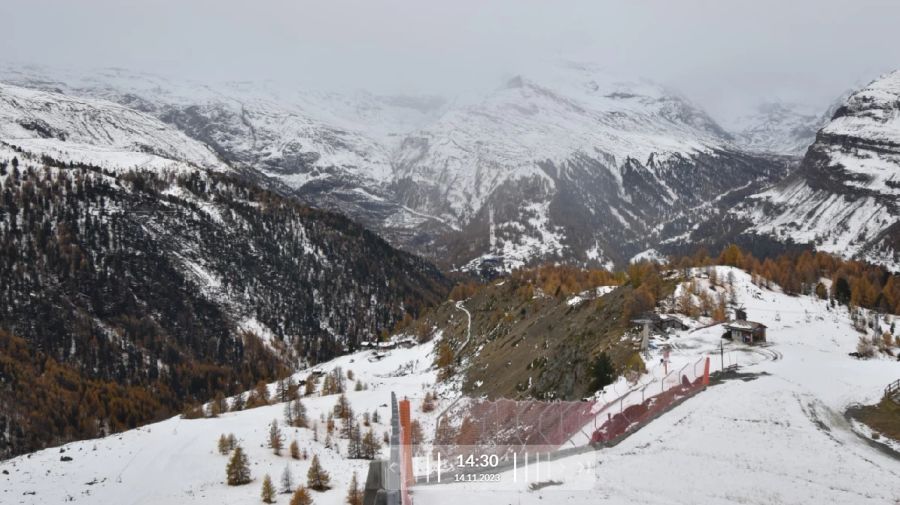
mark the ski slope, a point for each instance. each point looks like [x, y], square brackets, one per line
[176, 462]
[778, 437]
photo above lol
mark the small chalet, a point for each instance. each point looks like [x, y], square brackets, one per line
[748, 332]
[671, 322]
[652, 321]
[407, 342]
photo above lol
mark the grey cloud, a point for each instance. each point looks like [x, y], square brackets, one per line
[725, 55]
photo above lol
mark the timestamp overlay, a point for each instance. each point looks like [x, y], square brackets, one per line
[504, 468]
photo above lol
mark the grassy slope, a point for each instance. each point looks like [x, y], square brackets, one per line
[525, 345]
[883, 418]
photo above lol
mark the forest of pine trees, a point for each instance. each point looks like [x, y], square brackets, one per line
[852, 282]
[120, 254]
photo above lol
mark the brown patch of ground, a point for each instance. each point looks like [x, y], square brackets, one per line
[883, 417]
[525, 344]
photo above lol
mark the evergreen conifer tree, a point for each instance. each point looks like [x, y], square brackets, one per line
[354, 446]
[281, 391]
[224, 446]
[276, 439]
[354, 494]
[268, 490]
[298, 414]
[370, 445]
[317, 478]
[301, 497]
[237, 404]
[238, 469]
[288, 414]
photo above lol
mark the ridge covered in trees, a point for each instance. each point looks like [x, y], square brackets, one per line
[820, 274]
[161, 289]
[848, 282]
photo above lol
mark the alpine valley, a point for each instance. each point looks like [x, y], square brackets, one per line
[167, 241]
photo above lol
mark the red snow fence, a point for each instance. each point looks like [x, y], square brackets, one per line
[630, 418]
[507, 427]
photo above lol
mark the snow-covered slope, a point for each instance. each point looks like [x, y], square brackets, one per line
[778, 437]
[779, 128]
[94, 131]
[176, 462]
[577, 165]
[225, 277]
[473, 150]
[844, 199]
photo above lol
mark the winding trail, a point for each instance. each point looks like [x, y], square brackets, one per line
[460, 306]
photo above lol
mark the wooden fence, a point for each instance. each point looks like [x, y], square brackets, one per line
[892, 391]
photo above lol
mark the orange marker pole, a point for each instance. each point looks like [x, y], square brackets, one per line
[406, 439]
[706, 372]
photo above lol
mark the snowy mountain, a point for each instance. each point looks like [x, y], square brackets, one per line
[332, 150]
[779, 128]
[844, 197]
[577, 165]
[96, 132]
[776, 431]
[581, 167]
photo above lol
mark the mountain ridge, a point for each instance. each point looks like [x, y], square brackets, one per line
[175, 286]
[843, 199]
[532, 154]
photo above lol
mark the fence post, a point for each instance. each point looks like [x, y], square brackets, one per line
[706, 373]
[406, 439]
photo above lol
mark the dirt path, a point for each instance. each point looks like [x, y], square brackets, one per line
[460, 306]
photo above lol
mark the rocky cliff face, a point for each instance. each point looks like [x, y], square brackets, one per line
[844, 198]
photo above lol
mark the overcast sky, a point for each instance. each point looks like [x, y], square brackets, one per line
[724, 55]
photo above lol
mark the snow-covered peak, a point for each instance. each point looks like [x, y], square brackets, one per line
[779, 127]
[600, 91]
[872, 113]
[382, 117]
[506, 135]
[844, 198]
